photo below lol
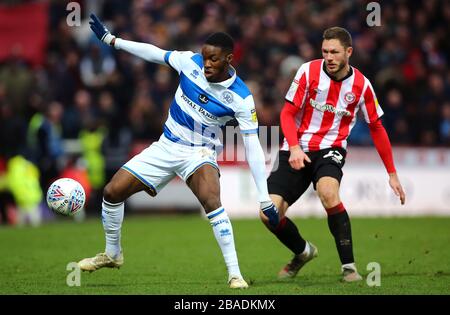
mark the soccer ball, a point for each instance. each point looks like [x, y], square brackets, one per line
[66, 196]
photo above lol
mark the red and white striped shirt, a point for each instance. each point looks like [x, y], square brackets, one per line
[328, 108]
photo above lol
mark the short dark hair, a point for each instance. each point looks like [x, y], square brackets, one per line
[340, 34]
[222, 40]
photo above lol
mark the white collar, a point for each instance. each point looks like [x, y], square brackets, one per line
[228, 82]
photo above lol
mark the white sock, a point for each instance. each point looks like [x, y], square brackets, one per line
[306, 251]
[224, 235]
[349, 266]
[112, 217]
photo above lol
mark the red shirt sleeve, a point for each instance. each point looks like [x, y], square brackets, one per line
[288, 125]
[382, 144]
[295, 98]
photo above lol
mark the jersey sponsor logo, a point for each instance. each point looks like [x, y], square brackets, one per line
[227, 97]
[205, 113]
[201, 110]
[349, 97]
[334, 155]
[203, 98]
[254, 117]
[329, 108]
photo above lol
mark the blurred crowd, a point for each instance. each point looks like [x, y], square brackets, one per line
[89, 107]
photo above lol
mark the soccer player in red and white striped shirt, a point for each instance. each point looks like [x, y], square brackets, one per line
[317, 118]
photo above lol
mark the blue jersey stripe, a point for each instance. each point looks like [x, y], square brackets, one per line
[213, 106]
[198, 59]
[166, 57]
[249, 131]
[184, 119]
[169, 135]
[240, 88]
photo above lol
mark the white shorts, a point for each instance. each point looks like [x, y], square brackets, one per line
[158, 164]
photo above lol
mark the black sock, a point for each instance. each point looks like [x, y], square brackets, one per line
[289, 235]
[339, 224]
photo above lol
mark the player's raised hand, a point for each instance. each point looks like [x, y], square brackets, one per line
[394, 182]
[100, 30]
[271, 212]
[297, 158]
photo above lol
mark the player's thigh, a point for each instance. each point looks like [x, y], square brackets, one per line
[328, 174]
[121, 186]
[205, 185]
[328, 163]
[200, 171]
[287, 183]
[154, 167]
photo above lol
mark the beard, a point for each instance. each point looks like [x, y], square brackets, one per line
[335, 74]
[340, 66]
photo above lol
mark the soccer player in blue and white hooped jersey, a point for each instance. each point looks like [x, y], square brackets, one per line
[209, 95]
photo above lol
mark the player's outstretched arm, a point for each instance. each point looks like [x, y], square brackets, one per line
[256, 162]
[145, 51]
[383, 146]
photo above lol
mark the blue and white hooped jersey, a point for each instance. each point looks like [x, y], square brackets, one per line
[200, 108]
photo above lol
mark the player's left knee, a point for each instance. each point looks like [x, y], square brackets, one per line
[328, 196]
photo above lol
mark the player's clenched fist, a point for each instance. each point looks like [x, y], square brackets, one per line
[298, 158]
[101, 31]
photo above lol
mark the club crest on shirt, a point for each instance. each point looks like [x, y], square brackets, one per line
[349, 97]
[203, 98]
[227, 97]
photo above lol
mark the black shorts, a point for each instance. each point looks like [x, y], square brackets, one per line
[291, 184]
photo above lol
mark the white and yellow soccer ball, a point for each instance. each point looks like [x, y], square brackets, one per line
[66, 196]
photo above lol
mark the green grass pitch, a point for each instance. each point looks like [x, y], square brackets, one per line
[179, 255]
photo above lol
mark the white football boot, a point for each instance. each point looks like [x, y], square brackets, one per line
[100, 260]
[236, 282]
[350, 274]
